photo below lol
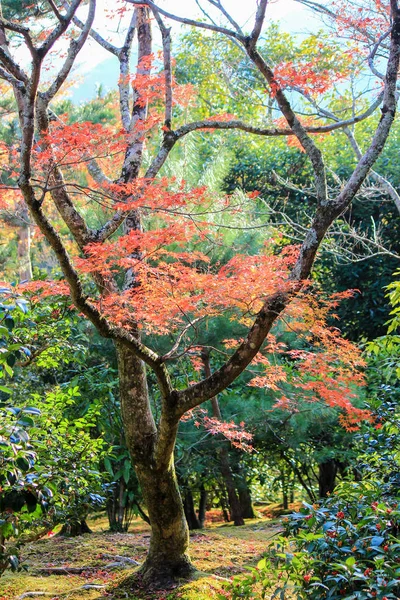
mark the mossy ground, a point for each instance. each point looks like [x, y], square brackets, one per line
[218, 552]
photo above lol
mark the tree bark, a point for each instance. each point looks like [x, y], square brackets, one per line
[246, 505]
[327, 477]
[168, 557]
[151, 451]
[190, 514]
[24, 245]
[202, 506]
[223, 455]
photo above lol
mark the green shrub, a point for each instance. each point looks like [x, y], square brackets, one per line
[347, 548]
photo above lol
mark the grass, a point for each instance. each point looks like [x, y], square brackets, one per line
[219, 551]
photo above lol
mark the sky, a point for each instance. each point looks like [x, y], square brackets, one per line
[95, 65]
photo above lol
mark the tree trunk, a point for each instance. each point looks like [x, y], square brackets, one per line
[24, 253]
[223, 454]
[190, 514]
[202, 506]
[168, 557]
[246, 506]
[226, 472]
[327, 477]
[151, 451]
[116, 509]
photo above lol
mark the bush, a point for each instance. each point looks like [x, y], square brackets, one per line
[347, 548]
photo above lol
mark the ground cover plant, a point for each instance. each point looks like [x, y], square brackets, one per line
[219, 552]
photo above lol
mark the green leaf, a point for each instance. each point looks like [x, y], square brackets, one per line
[262, 564]
[377, 540]
[350, 561]
[108, 466]
[127, 471]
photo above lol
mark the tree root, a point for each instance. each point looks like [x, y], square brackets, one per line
[87, 586]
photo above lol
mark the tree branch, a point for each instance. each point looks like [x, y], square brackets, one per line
[74, 48]
[93, 34]
[124, 72]
[325, 215]
[186, 21]
[258, 23]
[11, 79]
[385, 184]
[24, 31]
[217, 4]
[59, 30]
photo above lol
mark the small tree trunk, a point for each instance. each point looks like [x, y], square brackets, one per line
[223, 502]
[292, 495]
[202, 506]
[226, 472]
[224, 466]
[116, 509]
[327, 477]
[246, 505]
[285, 500]
[190, 514]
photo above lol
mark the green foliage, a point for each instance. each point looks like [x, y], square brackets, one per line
[49, 458]
[20, 492]
[346, 548]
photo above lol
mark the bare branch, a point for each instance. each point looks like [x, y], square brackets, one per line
[186, 21]
[24, 31]
[276, 131]
[74, 48]
[93, 34]
[11, 79]
[217, 4]
[59, 30]
[313, 152]
[372, 55]
[171, 353]
[55, 10]
[385, 184]
[7, 61]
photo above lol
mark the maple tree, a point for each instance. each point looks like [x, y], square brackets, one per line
[141, 272]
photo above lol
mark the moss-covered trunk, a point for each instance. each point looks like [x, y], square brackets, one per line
[168, 557]
[151, 448]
